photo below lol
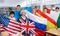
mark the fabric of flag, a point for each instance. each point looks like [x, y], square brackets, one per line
[54, 15]
[1, 27]
[51, 24]
[29, 9]
[40, 23]
[11, 26]
[58, 21]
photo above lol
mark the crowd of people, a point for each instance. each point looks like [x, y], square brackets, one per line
[20, 15]
[16, 15]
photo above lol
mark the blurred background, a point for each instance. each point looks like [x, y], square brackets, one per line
[8, 5]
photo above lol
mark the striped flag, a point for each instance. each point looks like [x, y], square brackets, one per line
[56, 16]
[40, 23]
[12, 27]
[51, 24]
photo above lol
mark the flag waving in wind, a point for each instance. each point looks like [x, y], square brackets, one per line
[34, 23]
[12, 27]
[40, 23]
[51, 24]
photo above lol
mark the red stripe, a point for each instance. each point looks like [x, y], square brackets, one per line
[11, 31]
[15, 23]
[28, 26]
[1, 28]
[46, 16]
[13, 26]
[40, 32]
[14, 29]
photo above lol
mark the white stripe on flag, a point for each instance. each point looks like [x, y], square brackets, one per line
[14, 22]
[16, 25]
[13, 28]
[12, 31]
[1, 27]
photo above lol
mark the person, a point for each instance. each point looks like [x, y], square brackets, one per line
[45, 10]
[55, 14]
[52, 7]
[57, 9]
[17, 12]
[11, 17]
[23, 17]
[34, 11]
[48, 10]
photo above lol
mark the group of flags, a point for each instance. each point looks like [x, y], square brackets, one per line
[36, 24]
[51, 24]
[14, 27]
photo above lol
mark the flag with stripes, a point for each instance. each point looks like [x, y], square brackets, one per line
[51, 23]
[11, 26]
[40, 23]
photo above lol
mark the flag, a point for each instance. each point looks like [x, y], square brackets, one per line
[14, 27]
[29, 9]
[51, 24]
[54, 15]
[1, 27]
[58, 21]
[11, 26]
[40, 23]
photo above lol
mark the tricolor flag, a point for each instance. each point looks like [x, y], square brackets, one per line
[40, 23]
[56, 16]
[51, 23]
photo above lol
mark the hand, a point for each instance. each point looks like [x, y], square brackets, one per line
[5, 33]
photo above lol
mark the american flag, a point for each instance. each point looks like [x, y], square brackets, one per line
[13, 27]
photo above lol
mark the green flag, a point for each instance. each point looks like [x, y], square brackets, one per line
[58, 21]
